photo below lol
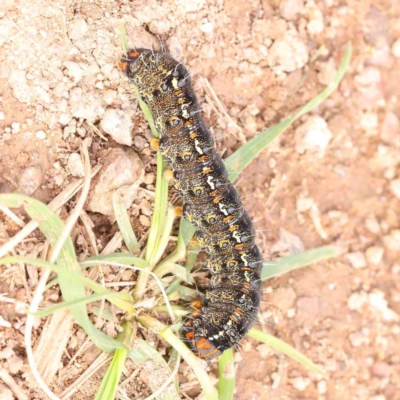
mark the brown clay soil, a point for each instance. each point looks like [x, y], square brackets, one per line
[332, 178]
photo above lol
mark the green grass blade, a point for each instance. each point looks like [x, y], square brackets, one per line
[147, 114]
[226, 372]
[122, 35]
[156, 367]
[109, 384]
[124, 224]
[284, 348]
[51, 226]
[69, 304]
[121, 258]
[120, 299]
[242, 157]
[176, 270]
[290, 263]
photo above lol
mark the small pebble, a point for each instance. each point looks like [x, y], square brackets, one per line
[15, 127]
[144, 220]
[357, 259]
[372, 224]
[395, 187]
[392, 240]
[300, 383]
[118, 125]
[374, 254]
[207, 27]
[40, 135]
[357, 300]
[313, 135]
[109, 96]
[380, 369]
[322, 387]
[75, 165]
[30, 179]
[396, 48]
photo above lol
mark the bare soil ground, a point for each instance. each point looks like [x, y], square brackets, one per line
[333, 178]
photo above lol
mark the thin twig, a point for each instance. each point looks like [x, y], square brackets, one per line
[10, 382]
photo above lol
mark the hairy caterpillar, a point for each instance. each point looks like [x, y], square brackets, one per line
[229, 308]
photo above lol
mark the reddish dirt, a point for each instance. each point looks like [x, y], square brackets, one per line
[58, 77]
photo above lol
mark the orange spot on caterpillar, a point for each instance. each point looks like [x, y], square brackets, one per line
[217, 199]
[133, 54]
[197, 304]
[155, 144]
[178, 211]
[233, 228]
[214, 193]
[233, 318]
[122, 65]
[194, 242]
[194, 135]
[228, 218]
[196, 313]
[203, 343]
[210, 354]
[178, 92]
[190, 335]
[206, 170]
[168, 175]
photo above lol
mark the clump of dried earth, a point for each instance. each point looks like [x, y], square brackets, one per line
[332, 178]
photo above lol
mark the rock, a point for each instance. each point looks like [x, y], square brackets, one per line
[78, 28]
[75, 165]
[396, 48]
[322, 387]
[395, 187]
[357, 300]
[40, 135]
[290, 8]
[390, 128]
[15, 364]
[288, 243]
[380, 369]
[378, 302]
[307, 310]
[374, 254]
[313, 135]
[392, 241]
[123, 171]
[288, 54]
[357, 259]
[372, 224]
[118, 125]
[30, 179]
[74, 70]
[299, 383]
[207, 27]
[109, 96]
[285, 297]
[357, 339]
[327, 71]
[160, 26]
[140, 142]
[15, 127]
[315, 23]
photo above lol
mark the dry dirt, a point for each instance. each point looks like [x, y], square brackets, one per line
[333, 178]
